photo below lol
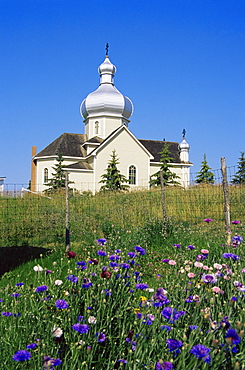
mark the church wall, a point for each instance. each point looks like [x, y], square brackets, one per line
[129, 152]
[182, 171]
[82, 180]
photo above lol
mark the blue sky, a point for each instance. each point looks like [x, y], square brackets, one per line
[181, 62]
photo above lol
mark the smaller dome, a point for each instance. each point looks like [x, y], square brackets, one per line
[107, 67]
[184, 145]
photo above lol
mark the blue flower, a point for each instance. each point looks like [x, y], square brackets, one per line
[81, 328]
[15, 295]
[72, 278]
[201, 351]
[82, 265]
[193, 327]
[101, 241]
[125, 265]
[31, 346]
[131, 254]
[61, 304]
[114, 258]
[101, 337]
[19, 284]
[234, 257]
[232, 337]
[113, 264]
[141, 286]
[87, 285]
[178, 246]
[101, 253]
[140, 250]
[7, 313]
[174, 345]
[41, 288]
[165, 327]
[160, 365]
[22, 355]
[191, 247]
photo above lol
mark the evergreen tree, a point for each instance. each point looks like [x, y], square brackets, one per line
[58, 180]
[205, 176]
[239, 177]
[112, 178]
[168, 176]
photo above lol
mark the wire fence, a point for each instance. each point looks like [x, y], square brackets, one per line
[37, 220]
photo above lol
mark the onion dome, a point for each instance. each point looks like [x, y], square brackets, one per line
[107, 100]
[184, 145]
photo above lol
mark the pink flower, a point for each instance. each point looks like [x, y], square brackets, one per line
[205, 267]
[198, 264]
[236, 222]
[217, 266]
[171, 262]
[216, 289]
[205, 251]
[191, 275]
[208, 220]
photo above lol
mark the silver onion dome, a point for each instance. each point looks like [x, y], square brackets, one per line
[184, 145]
[106, 100]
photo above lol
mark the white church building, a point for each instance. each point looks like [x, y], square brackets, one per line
[106, 114]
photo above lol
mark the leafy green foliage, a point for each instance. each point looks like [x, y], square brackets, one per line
[205, 176]
[112, 178]
[168, 176]
[58, 180]
[239, 177]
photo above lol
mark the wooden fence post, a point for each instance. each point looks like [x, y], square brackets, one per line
[67, 213]
[226, 200]
[164, 211]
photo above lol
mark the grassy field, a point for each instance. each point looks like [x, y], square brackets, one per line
[143, 297]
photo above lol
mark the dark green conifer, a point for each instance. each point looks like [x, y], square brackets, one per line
[112, 179]
[205, 176]
[239, 177]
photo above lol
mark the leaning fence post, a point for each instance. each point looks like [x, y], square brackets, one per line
[226, 200]
[67, 212]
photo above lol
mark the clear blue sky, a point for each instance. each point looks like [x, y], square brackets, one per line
[181, 62]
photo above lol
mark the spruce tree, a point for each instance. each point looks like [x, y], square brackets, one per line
[112, 178]
[168, 176]
[239, 177]
[205, 176]
[58, 180]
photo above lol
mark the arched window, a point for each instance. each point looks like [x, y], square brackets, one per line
[45, 175]
[96, 128]
[132, 175]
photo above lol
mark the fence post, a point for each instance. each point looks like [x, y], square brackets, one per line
[67, 213]
[226, 200]
[164, 211]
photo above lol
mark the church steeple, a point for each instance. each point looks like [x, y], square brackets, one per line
[106, 108]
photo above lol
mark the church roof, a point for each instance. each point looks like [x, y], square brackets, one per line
[155, 147]
[81, 165]
[69, 145]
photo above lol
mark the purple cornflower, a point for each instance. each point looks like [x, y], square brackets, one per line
[191, 247]
[236, 222]
[101, 241]
[61, 304]
[7, 314]
[124, 265]
[81, 328]
[101, 253]
[237, 239]
[178, 246]
[15, 295]
[72, 278]
[141, 286]
[49, 362]
[21, 355]
[201, 351]
[87, 285]
[232, 337]
[193, 327]
[172, 314]
[207, 220]
[48, 272]
[82, 265]
[234, 257]
[165, 327]
[140, 250]
[19, 284]
[160, 365]
[174, 345]
[41, 288]
[114, 257]
[113, 264]
[166, 260]
[31, 346]
[101, 337]
[209, 278]
[122, 361]
[132, 254]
